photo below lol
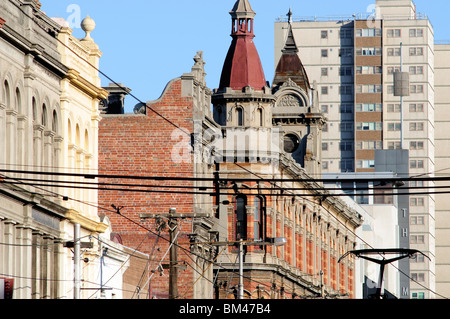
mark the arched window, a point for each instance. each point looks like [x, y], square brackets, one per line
[34, 110]
[259, 114]
[241, 218]
[18, 101]
[7, 94]
[240, 116]
[44, 115]
[258, 217]
[55, 122]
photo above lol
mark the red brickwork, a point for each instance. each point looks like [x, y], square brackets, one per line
[142, 145]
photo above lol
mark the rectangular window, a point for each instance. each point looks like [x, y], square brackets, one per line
[346, 165]
[324, 108]
[393, 69]
[413, 70]
[324, 146]
[346, 89]
[324, 53]
[416, 164]
[394, 33]
[418, 89]
[414, 108]
[394, 127]
[369, 70]
[346, 108]
[346, 70]
[416, 33]
[417, 220]
[416, 126]
[324, 90]
[324, 71]
[416, 51]
[371, 51]
[346, 127]
[365, 164]
[346, 146]
[416, 201]
[346, 52]
[368, 32]
[394, 145]
[393, 108]
[417, 239]
[394, 52]
[369, 145]
[369, 107]
[346, 33]
[416, 145]
[369, 126]
[369, 88]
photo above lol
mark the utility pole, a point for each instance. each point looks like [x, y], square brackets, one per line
[76, 260]
[173, 217]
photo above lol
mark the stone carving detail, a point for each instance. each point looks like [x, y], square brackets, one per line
[290, 101]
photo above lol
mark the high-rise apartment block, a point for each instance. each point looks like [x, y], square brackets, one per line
[353, 60]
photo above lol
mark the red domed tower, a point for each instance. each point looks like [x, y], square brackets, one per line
[242, 65]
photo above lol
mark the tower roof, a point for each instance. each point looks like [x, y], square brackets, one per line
[290, 66]
[242, 8]
[242, 65]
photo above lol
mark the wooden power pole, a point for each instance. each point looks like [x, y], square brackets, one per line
[173, 263]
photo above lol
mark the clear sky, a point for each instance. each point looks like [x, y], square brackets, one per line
[147, 43]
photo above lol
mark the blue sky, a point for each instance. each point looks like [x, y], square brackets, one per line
[146, 43]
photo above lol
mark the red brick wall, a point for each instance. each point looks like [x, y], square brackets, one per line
[142, 145]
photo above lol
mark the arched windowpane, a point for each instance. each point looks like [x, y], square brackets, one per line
[241, 219]
[258, 218]
[44, 115]
[240, 117]
[18, 101]
[7, 94]
[55, 122]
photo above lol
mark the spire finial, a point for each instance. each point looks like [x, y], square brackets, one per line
[289, 15]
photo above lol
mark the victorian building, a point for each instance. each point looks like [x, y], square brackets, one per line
[268, 149]
[48, 132]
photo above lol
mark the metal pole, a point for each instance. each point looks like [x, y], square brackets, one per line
[76, 260]
[401, 99]
[241, 271]
[173, 269]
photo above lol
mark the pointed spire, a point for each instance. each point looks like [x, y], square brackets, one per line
[290, 66]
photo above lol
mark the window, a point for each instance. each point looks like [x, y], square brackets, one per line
[416, 89]
[346, 127]
[324, 71]
[394, 33]
[365, 164]
[325, 165]
[346, 89]
[346, 165]
[369, 145]
[394, 52]
[257, 218]
[324, 53]
[393, 69]
[416, 33]
[368, 32]
[369, 88]
[394, 145]
[370, 51]
[369, 107]
[369, 70]
[416, 145]
[418, 276]
[346, 108]
[415, 51]
[346, 146]
[417, 239]
[417, 258]
[240, 116]
[324, 90]
[394, 126]
[416, 201]
[417, 220]
[416, 70]
[324, 108]
[324, 146]
[324, 34]
[416, 164]
[416, 126]
[413, 108]
[241, 218]
[393, 108]
[346, 52]
[346, 70]
[369, 126]
[346, 33]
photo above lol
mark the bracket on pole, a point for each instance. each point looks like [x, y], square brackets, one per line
[363, 253]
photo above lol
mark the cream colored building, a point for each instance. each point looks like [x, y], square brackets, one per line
[353, 60]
